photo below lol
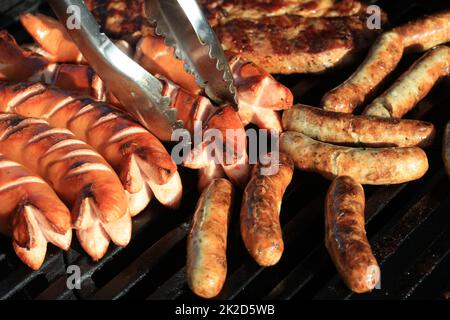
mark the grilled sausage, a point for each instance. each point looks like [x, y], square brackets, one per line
[257, 88]
[29, 65]
[15, 63]
[78, 174]
[209, 173]
[53, 37]
[413, 85]
[419, 35]
[348, 129]
[425, 33]
[381, 60]
[191, 108]
[260, 210]
[158, 58]
[32, 213]
[365, 165]
[446, 148]
[231, 146]
[138, 156]
[263, 118]
[207, 240]
[345, 235]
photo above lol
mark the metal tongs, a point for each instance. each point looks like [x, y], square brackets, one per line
[184, 27]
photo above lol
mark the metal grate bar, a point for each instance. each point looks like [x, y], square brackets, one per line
[132, 274]
[422, 269]
[22, 275]
[172, 288]
[303, 273]
[393, 235]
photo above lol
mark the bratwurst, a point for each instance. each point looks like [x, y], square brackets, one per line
[413, 85]
[366, 165]
[207, 240]
[260, 210]
[345, 235]
[383, 57]
[349, 129]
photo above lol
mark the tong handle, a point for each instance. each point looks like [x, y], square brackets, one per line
[136, 89]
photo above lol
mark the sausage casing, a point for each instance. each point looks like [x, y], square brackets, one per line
[381, 60]
[32, 213]
[260, 210]
[427, 32]
[413, 85]
[345, 235]
[207, 240]
[366, 165]
[349, 129]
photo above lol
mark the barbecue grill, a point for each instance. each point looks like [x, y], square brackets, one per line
[408, 225]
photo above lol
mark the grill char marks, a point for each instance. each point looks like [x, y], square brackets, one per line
[106, 129]
[222, 11]
[70, 167]
[292, 36]
[31, 213]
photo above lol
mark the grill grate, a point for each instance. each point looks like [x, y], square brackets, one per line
[408, 226]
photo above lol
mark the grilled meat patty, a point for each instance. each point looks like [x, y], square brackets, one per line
[292, 36]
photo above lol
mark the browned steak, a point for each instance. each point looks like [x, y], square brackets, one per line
[222, 11]
[120, 19]
[292, 36]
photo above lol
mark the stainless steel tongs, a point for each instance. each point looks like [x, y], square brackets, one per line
[184, 27]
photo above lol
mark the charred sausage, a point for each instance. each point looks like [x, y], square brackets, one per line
[345, 235]
[260, 210]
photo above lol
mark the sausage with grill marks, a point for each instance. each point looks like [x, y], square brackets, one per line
[32, 213]
[141, 161]
[207, 239]
[374, 166]
[78, 174]
[345, 235]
